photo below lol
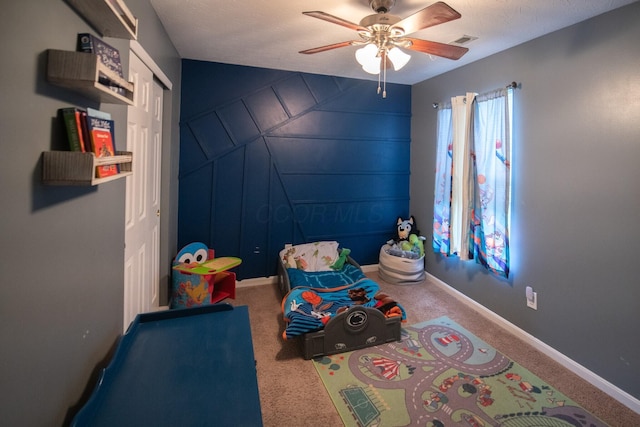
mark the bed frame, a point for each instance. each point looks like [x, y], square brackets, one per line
[356, 328]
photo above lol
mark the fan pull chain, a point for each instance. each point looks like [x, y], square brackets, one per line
[379, 83]
[384, 79]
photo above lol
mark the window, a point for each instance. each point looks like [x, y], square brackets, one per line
[472, 196]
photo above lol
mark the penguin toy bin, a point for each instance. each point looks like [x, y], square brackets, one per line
[402, 258]
[198, 278]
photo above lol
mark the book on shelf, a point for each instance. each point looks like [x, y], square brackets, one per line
[102, 143]
[73, 122]
[97, 113]
[107, 116]
[108, 55]
[84, 129]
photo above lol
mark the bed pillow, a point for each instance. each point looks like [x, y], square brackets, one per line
[317, 256]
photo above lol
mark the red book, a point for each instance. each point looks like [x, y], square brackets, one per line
[102, 143]
[79, 122]
[84, 130]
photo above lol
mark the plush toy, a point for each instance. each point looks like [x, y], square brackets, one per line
[406, 227]
[358, 296]
[387, 305]
[408, 242]
[341, 259]
[417, 244]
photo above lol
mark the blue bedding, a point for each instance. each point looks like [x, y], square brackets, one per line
[325, 279]
[316, 297]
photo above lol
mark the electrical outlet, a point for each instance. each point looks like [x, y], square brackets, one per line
[532, 298]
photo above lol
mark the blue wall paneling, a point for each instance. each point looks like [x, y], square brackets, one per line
[270, 157]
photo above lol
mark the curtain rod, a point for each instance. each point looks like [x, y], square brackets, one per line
[512, 85]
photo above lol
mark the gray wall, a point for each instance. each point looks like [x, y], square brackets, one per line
[576, 190]
[61, 250]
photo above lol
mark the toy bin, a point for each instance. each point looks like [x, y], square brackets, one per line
[400, 270]
[194, 289]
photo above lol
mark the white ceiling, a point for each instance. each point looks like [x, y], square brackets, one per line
[270, 33]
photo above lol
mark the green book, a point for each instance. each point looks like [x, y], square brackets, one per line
[73, 123]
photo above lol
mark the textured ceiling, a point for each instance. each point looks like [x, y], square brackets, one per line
[270, 33]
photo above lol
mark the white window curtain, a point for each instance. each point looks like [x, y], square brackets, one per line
[472, 185]
[461, 183]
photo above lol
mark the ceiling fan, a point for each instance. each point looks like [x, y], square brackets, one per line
[382, 34]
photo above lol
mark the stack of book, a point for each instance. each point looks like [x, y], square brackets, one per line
[109, 56]
[91, 131]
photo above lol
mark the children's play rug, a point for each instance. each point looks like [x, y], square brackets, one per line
[440, 374]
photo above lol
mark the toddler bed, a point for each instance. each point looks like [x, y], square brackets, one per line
[330, 305]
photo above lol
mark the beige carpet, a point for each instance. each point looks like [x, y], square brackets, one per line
[291, 392]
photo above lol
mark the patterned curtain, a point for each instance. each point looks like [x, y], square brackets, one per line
[473, 180]
[442, 191]
[491, 142]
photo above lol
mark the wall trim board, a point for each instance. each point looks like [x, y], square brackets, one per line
[369, 268]
[584, 373]
[257, 281]
[272, 280]
[137, 48]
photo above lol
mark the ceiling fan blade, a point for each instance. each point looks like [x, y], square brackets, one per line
[327, 47]
[437, 13]
[334, 20]
[438, 49]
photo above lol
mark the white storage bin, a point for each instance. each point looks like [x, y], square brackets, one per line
[399, 270]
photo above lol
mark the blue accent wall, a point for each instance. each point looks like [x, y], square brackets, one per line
[269, 157]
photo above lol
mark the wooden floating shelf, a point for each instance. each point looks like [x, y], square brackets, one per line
[82, 72]
[111, 18]
[78, 168]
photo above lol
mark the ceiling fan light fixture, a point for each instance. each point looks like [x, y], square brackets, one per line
[398, 58]
[368, 57]
[373, 68]
[385, 35]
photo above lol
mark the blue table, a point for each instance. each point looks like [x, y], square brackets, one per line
[186, 367]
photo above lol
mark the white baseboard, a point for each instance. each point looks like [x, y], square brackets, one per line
[597, 381]
[258, 281]
[369, 268]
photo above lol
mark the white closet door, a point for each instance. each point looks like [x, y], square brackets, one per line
[142, 216]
